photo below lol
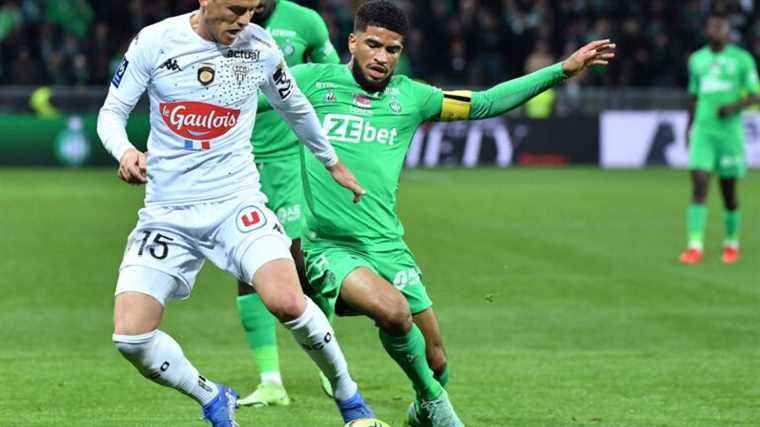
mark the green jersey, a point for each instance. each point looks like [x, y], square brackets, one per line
[719, 79]
[302, 36]
[371, 133]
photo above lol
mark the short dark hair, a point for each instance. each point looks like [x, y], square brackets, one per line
[718, 14]
[381, 13]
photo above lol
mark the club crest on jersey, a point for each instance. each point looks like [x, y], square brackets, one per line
[198, 121]
[240, 72]
[288, 49]
[250, 218]
[395, 106]
[206, 75]
[363, 101]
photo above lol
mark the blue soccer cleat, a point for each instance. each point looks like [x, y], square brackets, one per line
[220, 412]
[354, 408]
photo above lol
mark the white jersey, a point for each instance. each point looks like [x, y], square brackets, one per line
[203, 98]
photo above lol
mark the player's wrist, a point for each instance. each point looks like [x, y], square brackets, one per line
[332, 162]
[122, 151]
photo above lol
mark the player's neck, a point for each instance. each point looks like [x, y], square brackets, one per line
[197, 24]
[718, 47]
[367, 85]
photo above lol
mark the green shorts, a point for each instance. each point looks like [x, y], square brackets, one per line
[281, 182]
[326, 270]
[718, 152]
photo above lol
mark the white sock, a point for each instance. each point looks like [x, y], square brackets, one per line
[159, 358]
[271, 377]
[315, 335]
[695, 244]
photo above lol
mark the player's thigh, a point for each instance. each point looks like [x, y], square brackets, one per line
[326, 270]
[731, 156]
[366, 292]
[702, 151]
[399, 267]
[281, 182]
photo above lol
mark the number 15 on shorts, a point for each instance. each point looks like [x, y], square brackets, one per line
[155, 244]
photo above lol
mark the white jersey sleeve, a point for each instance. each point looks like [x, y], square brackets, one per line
[288, 100]
[128, 84]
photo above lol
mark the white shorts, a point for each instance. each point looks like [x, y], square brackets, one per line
[237, 235]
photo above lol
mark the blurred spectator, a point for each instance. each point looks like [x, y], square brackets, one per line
[452, 42]
[10, 18]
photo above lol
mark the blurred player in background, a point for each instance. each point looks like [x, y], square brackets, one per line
[357, 260]
[302, 36]
[203, 71]
[722, 81]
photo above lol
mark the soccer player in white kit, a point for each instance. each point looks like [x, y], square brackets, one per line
[203, 201]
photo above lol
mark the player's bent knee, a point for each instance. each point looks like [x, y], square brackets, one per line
[136, 349]
[395, 318]
[288, 306]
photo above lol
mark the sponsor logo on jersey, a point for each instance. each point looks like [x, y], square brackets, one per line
[354, 129]
[362, 100]
[330, 97]
[250, 218]
[279, 32]
[198, 121]
[120, 73]
[253, 55]
[206, 75]
[406, 278]
[171, 65]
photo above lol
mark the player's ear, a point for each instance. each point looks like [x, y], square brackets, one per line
[351, 43]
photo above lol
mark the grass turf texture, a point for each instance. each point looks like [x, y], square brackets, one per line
[558, 294]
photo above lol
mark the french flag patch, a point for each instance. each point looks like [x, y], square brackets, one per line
[197, 145]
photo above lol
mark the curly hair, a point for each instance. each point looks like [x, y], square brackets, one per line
[381, 13]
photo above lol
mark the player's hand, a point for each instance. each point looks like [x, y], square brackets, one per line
[343, 176]
[598, 52]
[133, 167]
[726, 111]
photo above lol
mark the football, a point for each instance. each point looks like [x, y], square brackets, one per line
[367, 422]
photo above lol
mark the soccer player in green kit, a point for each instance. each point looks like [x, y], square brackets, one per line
[722, 81]
[302, 36]
[357, 261]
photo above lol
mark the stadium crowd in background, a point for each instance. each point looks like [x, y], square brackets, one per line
[472, 42]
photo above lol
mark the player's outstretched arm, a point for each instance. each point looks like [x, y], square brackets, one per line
[464, 105]
[738, 106]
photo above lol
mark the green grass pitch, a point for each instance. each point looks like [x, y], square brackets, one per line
[557, 289]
